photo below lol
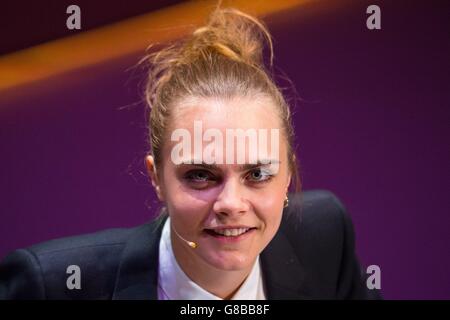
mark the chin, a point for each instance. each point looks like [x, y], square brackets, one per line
[231, 261]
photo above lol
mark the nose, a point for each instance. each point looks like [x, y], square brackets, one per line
[230, 200]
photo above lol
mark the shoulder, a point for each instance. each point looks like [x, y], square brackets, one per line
[319, 230]
[321, 233]
[74, 246]
[41, 271]
[316, 215]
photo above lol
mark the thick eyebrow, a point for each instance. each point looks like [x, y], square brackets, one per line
[242, 167]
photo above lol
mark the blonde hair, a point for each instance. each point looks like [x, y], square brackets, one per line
[223, 59]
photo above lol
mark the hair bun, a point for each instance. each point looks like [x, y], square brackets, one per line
[230, 33]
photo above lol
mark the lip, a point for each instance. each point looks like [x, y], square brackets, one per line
[224, 239]
[230, 227]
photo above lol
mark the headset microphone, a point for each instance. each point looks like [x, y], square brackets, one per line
[191, 244]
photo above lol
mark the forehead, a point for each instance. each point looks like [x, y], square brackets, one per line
[224, 114]
[254, 123]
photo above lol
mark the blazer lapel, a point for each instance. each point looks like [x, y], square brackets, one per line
[138, 271]
[283, 272]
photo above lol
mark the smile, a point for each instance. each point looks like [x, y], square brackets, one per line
[230, 234]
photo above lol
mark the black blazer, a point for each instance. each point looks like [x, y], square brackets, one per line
[311, 257]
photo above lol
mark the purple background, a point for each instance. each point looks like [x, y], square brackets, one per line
[372, 127]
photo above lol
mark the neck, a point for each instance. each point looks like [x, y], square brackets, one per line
[221, 283]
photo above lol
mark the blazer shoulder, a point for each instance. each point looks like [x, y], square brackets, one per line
[321, 233]
[315, 213]
[42, 271]
[106, 237]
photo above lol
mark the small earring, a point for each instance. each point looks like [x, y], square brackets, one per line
[286, 202]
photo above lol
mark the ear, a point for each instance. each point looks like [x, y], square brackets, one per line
[151, 169]
[290, 173]
[288, 182]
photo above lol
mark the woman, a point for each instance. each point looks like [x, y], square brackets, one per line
[227, 229]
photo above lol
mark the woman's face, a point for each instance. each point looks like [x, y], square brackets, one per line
[213, 204]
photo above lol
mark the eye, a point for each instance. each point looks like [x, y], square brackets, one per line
[198, 176]
[260, 175]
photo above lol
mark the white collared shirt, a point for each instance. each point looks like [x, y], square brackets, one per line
[174, 284]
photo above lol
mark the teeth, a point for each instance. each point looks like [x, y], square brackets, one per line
[232, 232]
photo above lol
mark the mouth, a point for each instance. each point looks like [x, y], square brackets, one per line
[230, 234]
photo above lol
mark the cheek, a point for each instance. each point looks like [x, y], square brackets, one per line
[270, 210]
[270, 202]
[188, 210]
